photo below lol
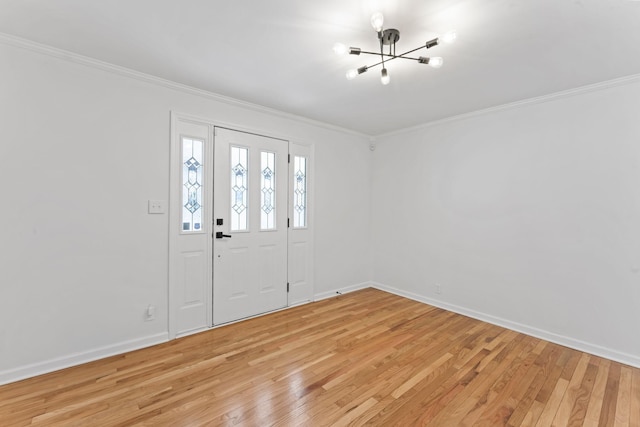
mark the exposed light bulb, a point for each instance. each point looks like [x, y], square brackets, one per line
[449, 37]
[339, 49]
[377, 20]
[385, 79]
[436, 62]
[351, 74]
[432, 43]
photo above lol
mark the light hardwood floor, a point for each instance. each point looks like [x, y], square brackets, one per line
[367, 357]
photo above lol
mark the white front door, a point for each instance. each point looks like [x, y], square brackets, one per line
[249, 225]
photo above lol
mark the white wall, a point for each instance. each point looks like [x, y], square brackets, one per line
[528, 217]
[82, 151]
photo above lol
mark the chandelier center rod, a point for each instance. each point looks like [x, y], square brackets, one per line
[389, 36]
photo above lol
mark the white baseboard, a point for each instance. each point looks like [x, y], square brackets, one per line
[627, 359]
[340, 291]
[52, 365]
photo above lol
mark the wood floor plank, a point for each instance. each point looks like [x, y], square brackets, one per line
[634, 407]
[533, 415]
[504, 405]
[610, 399]
[571, 394]
[594, 408]
[578, 413]
[364, 358]
[623, 405]
[496, 407]
[474, 396]
[544, 363]
[553, 403]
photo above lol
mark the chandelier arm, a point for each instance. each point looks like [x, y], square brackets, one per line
[380, 63]
[374, 65]
[406, 57]
[402, 55]
[410, 51]
[374, 53]
[391, 56]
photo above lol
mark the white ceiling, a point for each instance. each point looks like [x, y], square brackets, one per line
[278, 53]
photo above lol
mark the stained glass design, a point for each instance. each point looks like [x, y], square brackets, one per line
[299, 192]
[192, 164]
[239, 187]
[267, 190]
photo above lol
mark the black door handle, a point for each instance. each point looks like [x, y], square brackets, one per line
[219, 235]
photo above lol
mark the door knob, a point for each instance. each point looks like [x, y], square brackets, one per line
[219, 235]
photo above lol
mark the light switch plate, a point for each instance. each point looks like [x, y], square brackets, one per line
[157, 206]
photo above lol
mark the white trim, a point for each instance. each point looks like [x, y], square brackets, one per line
[214, 123]
[517, 104]
[33, 370]
[266, 313]
[192, 331]
[172, 330]
[19, 42]
[80, 358]
[177, 117]
[296, 304]
[208, 197]
[340, 291]
[617, 356]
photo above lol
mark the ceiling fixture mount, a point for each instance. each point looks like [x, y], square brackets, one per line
[390, 37]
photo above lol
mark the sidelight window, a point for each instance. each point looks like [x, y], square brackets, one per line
[267, 190]
[299, 192]
[192, 160]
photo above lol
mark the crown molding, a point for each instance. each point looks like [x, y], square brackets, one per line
[634, 78]
[19, 42]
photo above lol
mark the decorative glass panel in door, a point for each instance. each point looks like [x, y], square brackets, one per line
[239, 187]
[267, 190]
[192, 161]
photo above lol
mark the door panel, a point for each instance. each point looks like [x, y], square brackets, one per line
[194, 281]
[190, 226]
[301, 232]
[250, 199]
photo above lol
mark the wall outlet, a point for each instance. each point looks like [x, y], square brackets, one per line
[438, 288]
[157, 206]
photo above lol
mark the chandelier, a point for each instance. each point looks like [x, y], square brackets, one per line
[389, 38]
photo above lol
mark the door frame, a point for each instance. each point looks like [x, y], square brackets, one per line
[175, 173]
